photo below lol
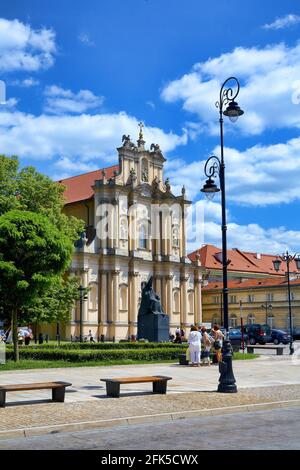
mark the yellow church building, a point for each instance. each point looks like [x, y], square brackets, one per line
[135, 228]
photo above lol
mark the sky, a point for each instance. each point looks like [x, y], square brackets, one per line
[79, 75]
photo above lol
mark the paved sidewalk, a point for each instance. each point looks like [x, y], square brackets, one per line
[261, 381]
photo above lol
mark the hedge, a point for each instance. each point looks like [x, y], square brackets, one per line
[148, 354]
[102, 346]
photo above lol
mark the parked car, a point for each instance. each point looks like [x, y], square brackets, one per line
[296, 333]
[258, 333]
[235, 337]
[280, 336]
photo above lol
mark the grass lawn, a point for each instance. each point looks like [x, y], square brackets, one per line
[39, 364]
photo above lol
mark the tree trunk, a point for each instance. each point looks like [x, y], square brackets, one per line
[15, 334]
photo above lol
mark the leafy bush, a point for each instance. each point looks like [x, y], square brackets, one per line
[147, 354]
[103, 346]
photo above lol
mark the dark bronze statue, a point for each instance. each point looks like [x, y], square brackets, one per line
[150, 303]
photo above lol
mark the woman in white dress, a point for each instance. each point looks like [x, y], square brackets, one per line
[194, 341]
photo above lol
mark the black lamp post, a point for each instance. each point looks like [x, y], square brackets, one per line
[267, 307]
[287, 258]
[82, 297]
[216, 167]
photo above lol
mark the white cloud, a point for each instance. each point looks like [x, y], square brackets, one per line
[283, 22]
[151, 104]
[62, 101]
[85, 39]
[253, 237]
[269, 81]
[83, 138]
[68, 165]
[205, 228]
[23, 48]
[261, 175]
[26, 82]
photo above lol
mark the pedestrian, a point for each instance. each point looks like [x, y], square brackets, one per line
[91, 337]
[177, 337]
[207, 342]
[218, 341]
[194, 341]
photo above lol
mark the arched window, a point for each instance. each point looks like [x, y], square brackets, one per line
[215, 321]
[233, 321]
[251, 318]
[143, 236]
[176, 301]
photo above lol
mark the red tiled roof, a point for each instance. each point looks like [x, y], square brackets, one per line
[79, 188]
[240, 261]
[263, 282]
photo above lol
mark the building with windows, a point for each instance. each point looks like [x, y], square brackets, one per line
[135, 228]
[261, 300]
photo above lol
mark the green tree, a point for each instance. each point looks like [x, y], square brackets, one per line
[8, 183]
[32, 252]
[55, 303]
[29, 190]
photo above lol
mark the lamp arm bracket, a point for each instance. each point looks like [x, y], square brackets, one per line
[227, 94]
[212, 166]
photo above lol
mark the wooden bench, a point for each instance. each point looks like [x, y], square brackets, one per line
[58, 390]
[113, 385]
[251, 347]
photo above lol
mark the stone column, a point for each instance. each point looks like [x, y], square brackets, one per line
[157, 285]
[169, 234]
[85, 304]
[198, 303]
[132, 232]
[103, 297]
[116, 296]
[110, 295]
[183, 236]
[184, 299]
[133, 302]
[169, 296]
[164, 293]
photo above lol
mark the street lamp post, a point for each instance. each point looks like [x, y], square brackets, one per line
[287, 258]
[82, 297]
[216, 167]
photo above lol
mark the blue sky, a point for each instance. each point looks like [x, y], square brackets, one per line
[79, 75]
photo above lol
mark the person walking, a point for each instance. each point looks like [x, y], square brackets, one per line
[194, 341]
[218, 341]
[207, 342]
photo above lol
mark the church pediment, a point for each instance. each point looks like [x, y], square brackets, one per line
[147, 190]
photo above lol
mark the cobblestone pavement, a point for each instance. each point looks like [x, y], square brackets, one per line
[275, 429]
[267, 379]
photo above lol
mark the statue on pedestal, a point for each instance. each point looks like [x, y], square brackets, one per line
[153, 323]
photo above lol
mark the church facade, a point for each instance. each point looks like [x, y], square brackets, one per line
[135, 228]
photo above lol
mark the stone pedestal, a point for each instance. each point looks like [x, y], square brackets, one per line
[154, 328]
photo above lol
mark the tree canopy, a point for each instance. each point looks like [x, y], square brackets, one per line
[33, 252]
[29, 190]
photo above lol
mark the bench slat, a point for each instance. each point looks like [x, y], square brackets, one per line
[34, 386]
[133, 380]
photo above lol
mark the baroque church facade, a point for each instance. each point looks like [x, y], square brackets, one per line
[135, 228]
